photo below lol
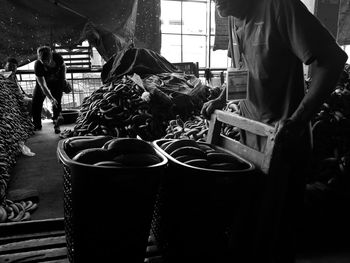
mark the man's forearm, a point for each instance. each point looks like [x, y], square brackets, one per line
[324, 78]
[44, 88]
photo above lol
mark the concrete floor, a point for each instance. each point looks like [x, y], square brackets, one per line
[41, 172]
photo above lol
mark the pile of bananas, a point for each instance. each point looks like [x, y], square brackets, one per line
[202, 155]
[229, 130]
[16, 211]
[195, 128]
[121, 109]
[15, 127]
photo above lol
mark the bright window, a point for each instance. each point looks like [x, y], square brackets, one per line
[188, 31]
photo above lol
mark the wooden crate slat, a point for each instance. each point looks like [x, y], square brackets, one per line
[30, 256]
[243, 151]
[261, 160]
[255, 127]
[56, 261]
[14, 238]
[33, 244]
[17, 231]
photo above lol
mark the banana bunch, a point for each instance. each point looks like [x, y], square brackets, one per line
[229, 130]
[121, 109]
[195, 128]
[16, 211]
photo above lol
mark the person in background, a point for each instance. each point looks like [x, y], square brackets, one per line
[50, 72]
[274, 39]
[11, 65]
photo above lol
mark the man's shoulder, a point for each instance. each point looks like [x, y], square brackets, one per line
[38, 65]
[57, 58]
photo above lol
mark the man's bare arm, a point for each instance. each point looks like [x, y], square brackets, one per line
[326, 70]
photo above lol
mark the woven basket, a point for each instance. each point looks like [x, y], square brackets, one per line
[108, 210]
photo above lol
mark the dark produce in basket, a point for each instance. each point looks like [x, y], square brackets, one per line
[115, 152]
[202, 155]
[77, 144]
[129, 145]
[93, 155]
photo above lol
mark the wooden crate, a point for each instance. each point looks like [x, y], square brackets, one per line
[261, 160]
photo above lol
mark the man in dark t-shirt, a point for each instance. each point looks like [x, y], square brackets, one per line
[273, 38]
[50, 72]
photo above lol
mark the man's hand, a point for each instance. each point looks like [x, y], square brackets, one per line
[288, 134]
[210, 106]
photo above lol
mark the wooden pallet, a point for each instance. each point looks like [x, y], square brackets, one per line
[45, 241]
[261, 160]
[33, 241]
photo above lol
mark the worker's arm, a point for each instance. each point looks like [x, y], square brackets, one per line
[325, 75]
[326, 71]
[63, 71]
[45, 89]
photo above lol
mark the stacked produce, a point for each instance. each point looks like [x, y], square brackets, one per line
[201, 155]
[229, 130]
[107, 151]
[117, 110]
[15, 127]
[196, 127]
[134, 107]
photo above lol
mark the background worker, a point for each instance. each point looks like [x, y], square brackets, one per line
[50, 72]
[274, 38]
[11, 65]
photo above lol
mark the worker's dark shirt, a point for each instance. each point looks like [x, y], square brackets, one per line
[276, 38]
[53, 76]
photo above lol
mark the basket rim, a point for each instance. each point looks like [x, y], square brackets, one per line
[251, 167]
[66, 160]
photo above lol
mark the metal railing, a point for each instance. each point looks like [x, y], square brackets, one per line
[83, 84]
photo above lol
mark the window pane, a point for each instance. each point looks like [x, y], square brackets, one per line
[170, 17]
[194, 48]
[194, 18]
[171, 48]
[218, 58]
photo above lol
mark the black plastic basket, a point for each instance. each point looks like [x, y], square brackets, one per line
[196, 207]
[108, 210]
